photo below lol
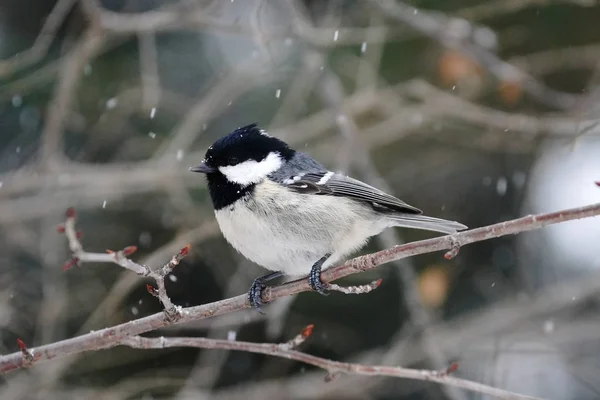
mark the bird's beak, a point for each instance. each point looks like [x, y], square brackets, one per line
[202, 168]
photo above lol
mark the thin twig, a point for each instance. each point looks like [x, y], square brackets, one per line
[333, 368]
[110, 337]
[172, 312]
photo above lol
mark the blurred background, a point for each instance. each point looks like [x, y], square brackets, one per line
[476, 111]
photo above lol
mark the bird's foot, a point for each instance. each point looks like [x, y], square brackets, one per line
[255, 292]
[314, 278]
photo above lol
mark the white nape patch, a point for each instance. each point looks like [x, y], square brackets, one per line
[325, 178]
[251, 171]
[264, 133]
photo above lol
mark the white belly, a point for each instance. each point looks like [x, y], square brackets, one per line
[296, 235]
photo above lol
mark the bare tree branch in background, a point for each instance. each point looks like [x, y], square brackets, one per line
[59, 108]
[42, 43]
[432, 24]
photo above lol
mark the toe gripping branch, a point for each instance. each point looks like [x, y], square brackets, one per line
[314, 278]
[255, 292]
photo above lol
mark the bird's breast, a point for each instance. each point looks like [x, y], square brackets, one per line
[283, 230]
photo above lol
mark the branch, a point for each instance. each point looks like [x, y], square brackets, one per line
[434, 25]
[333, 368]
[467, 111]
[278, 350]
[112, 336]
[167, 18]
[149, 71]
[42, 43]
[180, 17]
[499, 8]
[59, 107]
[172, 312]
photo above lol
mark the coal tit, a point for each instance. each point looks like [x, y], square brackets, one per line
[286, 212]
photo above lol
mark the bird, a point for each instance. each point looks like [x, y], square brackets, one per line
[288, 213]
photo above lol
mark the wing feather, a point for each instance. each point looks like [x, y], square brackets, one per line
[332, 184]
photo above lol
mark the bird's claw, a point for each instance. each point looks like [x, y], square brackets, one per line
[255, 293]
[314, 280]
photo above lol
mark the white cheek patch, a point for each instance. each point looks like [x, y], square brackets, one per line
[250, 171]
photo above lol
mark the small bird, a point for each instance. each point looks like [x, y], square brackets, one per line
[286, 212]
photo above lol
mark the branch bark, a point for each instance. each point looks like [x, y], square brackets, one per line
[333, 368]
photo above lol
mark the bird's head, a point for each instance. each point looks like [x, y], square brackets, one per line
[245, 156]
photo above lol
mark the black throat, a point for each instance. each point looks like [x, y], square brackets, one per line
[224, 193]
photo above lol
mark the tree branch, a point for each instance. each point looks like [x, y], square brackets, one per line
[333, 368]
[434, 25]
[42, 43]
[112, 336]
[172, 312]
[70, 74]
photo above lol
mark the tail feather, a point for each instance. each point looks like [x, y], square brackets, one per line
[426, 223]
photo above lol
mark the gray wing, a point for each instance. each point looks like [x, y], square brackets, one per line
[305, 175]
[332, 184]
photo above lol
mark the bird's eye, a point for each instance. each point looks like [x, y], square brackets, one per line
[233, 160]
